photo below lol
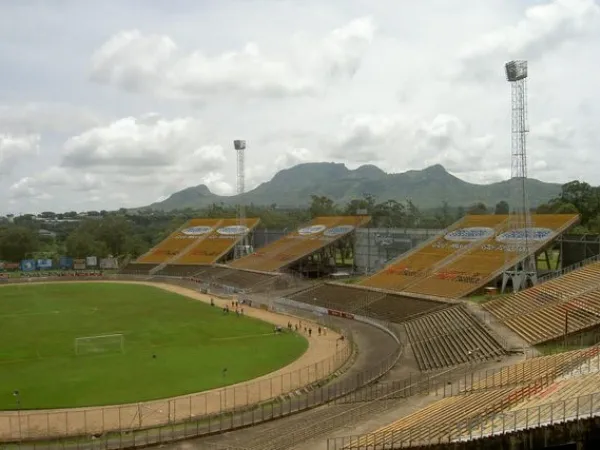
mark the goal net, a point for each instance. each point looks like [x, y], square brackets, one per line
[104, 343]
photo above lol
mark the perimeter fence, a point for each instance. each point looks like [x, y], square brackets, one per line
[228, 408]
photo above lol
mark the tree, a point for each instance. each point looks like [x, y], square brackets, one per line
[17, 243]
[502, 207]
[80, 244]
[477, 209]
[322, 206]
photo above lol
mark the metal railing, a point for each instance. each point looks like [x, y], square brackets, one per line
[479, 426]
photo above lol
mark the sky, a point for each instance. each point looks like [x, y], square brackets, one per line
[119, 104]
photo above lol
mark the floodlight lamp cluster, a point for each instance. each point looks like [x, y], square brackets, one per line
[516, 70]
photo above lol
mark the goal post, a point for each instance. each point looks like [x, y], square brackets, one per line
[102, 343]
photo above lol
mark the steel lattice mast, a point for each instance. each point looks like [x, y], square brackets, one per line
[520, 222]
[240, 148]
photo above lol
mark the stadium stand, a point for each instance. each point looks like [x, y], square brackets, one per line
[532, 383]
[553, 291]
[226, 276]
[450, 337]
[564, 305]
[471, 254]
[216, 244]
[194, 231]
[558, 319]
[434, 422]
[379, 305]
[137, 269]
[547, 367]
[320, 232]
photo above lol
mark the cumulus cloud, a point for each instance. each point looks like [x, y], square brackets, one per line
[544, 28]
[149, 142]
[39, 117]
[14, 148]
[155, 64]
[444, 139]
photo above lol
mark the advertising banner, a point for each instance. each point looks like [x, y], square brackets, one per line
[44, 264]
[109, 263]
[91, 261]
[79, 264]
[65, 262]
[28, 265]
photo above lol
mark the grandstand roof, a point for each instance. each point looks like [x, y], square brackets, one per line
[472, 252]
[319, 233]
[199, 241]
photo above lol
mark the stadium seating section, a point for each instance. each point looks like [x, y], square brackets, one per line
[137, 269]
[461, 262]
[320, 232]
[539, 314]
[225, 276]
[199, 241]
[535, 383]
[216, 245]
[449, 337]
[383, 306]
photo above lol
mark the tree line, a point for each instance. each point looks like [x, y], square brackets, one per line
[131, 233]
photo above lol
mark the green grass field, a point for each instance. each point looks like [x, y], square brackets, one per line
[193, 343]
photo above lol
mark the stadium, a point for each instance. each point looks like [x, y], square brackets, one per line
[211, 341]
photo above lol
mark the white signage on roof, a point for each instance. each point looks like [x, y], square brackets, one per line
[196, 231]
[470, 234]
[233, 230]
[338, 231]
[525, 234]
[313, 229]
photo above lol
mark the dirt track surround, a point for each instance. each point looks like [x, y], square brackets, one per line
[35, 425]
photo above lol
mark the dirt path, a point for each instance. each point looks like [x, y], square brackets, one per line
[325, 354]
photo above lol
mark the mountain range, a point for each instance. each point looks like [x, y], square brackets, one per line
[427, 188]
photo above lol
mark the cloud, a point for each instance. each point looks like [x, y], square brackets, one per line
[149, 142]
[13, 149]
[32, 117]
[155, 64]
[543, 28]
[420, 142]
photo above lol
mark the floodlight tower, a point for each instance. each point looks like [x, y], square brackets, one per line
[520, 216]
[240, 148]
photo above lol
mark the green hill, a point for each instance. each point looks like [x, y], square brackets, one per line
[427, 188]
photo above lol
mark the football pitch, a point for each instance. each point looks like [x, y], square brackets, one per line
[171, 345]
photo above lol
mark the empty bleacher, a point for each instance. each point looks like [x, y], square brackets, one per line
[216, 244]
[557, 319]
[485, 261]
[562, 399]
[137, 269]
[435, 422]
[226, 276]
[553, 291]
[366, 302]
[194, 231]
[416, 264]
[547, 367]
[551, 386]
[463, 260]
[320, 232]
[449, 337]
